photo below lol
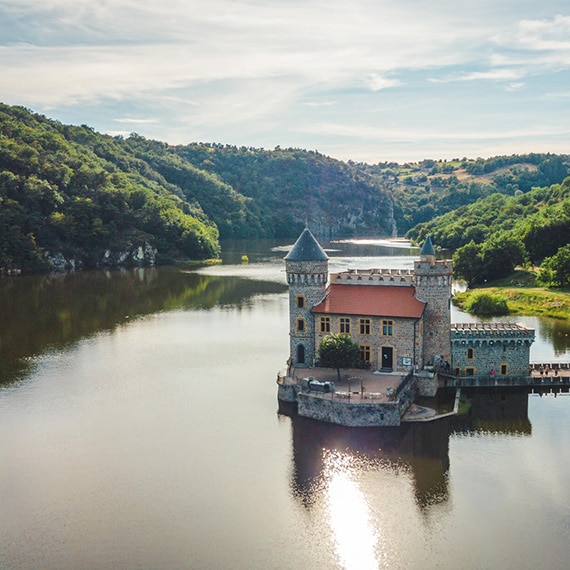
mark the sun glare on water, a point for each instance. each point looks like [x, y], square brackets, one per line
[349, 516]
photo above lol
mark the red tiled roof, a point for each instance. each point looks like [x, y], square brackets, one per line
[373, 300]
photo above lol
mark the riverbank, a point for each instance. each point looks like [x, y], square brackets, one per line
[523, 296]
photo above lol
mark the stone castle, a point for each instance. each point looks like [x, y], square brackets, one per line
[401, 319]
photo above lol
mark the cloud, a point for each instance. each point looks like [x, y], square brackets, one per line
[553, 34]
[503, 74]
[377, 82]
[137, 121]
[260, 72]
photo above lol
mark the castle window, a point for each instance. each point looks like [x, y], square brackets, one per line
[504, 369]
[325, 324]
[470, 353]
[300, 325]
[364, 326]
[387, 328]
[344, 325]
[300, 301]
[470, 371]
[364, 352]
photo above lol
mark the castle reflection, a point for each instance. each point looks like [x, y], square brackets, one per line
[420, 450]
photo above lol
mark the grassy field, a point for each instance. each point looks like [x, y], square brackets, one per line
[523, 296]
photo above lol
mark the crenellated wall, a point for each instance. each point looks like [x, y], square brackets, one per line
[388, 277]
[479, 348]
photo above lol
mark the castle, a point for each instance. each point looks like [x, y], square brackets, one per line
[401, 319]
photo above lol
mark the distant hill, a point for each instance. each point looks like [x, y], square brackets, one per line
[71, 197]
[292, 187]
[429, 188]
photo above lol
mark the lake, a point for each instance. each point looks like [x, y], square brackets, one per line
[140, 429]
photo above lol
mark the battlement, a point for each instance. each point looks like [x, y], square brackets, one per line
[468, 331]
[442, 267]
[386, 277]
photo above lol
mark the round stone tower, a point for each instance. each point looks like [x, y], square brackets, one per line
[433, 285]
[307, 267]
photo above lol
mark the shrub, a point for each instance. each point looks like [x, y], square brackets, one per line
[487, 305]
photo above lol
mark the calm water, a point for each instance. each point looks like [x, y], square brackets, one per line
[140, 429]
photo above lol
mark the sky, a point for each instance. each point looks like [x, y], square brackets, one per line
[363, 80]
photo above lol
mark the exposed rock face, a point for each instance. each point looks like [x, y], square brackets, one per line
[359, 217]
[59, 263]
[139, 254]
[133, 255]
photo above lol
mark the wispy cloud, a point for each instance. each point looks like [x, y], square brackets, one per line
[377, 82]
[137, 121]
[260, 71]
[549, 34]
[503, 74]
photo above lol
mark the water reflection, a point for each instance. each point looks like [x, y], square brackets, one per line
[496, 411]
[51, 312]
[420, 451]
[557, 332]
[349, 517]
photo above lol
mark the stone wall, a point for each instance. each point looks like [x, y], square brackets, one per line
[405, 332]
[433, 285]
[427, 384]
[478, 349]
[385, 277]
[336, 411]
[309, 280]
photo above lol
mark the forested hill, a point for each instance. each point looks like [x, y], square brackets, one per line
[424, 190]
[295, 186]
[70, 197]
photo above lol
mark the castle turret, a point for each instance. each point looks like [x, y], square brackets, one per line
[307, 274]
[433, 285]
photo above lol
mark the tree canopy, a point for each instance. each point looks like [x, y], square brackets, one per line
[69, 191]
[339, 351]
[555, 271]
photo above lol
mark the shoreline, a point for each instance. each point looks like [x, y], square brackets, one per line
[524, 301]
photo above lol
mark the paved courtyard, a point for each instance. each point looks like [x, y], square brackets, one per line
[354, 383]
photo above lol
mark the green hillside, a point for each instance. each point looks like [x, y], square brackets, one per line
[424, 190]
[72, 198]
[495, 234]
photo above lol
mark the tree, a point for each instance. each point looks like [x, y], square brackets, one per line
[501, 254]
[555, 271]
[468, 263]
[339, 351]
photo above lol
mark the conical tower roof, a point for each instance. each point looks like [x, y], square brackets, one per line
[306, 248]
[427, 248]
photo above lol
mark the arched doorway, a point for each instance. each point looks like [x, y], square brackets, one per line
[301, 354]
